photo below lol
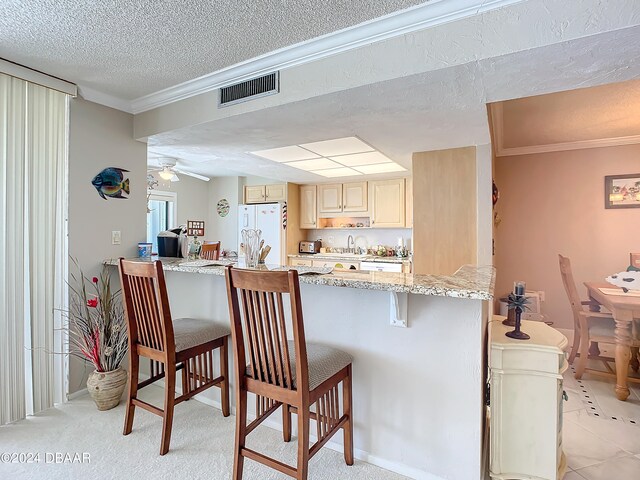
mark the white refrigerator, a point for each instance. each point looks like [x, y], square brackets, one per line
[269, 218]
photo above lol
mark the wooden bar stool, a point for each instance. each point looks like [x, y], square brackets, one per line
[185, 344]
[280, 372]
[210, 251]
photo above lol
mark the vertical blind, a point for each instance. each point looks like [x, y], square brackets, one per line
[33, 155]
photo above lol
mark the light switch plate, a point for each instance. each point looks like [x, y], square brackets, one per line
[116, 237]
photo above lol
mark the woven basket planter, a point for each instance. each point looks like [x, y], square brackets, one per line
[106, 387]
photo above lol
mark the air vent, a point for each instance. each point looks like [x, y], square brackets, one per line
[254, 88]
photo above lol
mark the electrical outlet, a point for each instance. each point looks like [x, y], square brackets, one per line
[541, 294]
[116, 237]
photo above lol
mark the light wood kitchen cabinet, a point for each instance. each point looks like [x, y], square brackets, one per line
[265, 193]
[254, 193]
[354, 197]
[300, 262]
[330, 198]
[387, 203]
[276, 193]
[409, 203]
[308, 206]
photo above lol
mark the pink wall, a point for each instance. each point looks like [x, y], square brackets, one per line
[554, 203]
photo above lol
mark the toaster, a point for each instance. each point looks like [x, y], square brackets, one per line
[310, 247]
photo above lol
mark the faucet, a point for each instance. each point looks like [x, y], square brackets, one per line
[350, 242]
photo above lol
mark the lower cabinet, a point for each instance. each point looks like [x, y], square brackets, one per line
[342, 264]
[526, 402]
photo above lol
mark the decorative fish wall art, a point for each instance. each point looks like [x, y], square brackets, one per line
[110, 182]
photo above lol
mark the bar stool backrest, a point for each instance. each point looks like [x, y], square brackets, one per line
[210, 251]
[146, 307]
[259, 327]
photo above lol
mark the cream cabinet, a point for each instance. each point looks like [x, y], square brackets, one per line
[300, 262]
[354, 197]
[276, 193]
[341, 265]
[387, 203]
[254, 194]
[330, 198]
[308, 206]
[525, 378]
[408, 217]
[343, 198]
[265, 193]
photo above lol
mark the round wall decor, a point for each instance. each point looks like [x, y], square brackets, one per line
[223, 207]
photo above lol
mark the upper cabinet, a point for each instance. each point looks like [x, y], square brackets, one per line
[354, 197]
[387, 203]
[265, 193]
[409, 203]
[330, 198]
[308, 206]
[342, 198]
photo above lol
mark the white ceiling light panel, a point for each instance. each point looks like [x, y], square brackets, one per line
[286, 154]
[380, 168]
[357, 159]
[338, 146]
[314, 164]
[337, 172]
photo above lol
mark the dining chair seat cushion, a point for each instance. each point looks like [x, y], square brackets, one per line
[191, 332]
[324, 362]
[602, 327]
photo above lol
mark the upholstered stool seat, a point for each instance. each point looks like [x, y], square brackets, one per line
[324, 363]
[191, 332]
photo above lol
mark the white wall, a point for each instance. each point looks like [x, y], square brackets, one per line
[363, 238]
[101, 137]
[193, 198]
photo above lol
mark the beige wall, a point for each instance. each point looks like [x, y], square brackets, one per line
[101, 137]
[554, 203]
[192, 198]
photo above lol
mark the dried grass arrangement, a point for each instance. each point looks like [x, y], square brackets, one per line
[96, 323]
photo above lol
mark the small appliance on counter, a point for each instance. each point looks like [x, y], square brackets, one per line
[310, 247]
[171, 243]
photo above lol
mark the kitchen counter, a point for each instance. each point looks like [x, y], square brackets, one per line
[418, 376]
[350, 258]
[468, 282]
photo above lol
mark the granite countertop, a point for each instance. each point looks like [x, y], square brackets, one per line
[470, 281]
[350, 258]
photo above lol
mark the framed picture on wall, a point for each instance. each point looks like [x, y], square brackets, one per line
[622, 191]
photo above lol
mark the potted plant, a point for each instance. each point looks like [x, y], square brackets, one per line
[98, 333]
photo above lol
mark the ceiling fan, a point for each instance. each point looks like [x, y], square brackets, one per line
[167, 169]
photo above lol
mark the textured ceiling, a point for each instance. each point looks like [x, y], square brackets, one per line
[431, 111]
[132, 48]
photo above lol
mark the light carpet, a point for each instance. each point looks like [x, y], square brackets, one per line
[201, 446]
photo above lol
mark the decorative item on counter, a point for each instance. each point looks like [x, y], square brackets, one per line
[263, 253]
[251, 246]
[195, 228]
[195, 246]
[223, 207]
[110, 182]
[144, 250]
[97, 332]
[517, 301]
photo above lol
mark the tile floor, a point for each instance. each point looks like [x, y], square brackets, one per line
[598, 447]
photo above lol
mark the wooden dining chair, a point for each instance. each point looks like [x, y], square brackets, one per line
[185, 344]
[210, 251]
[281, 372]
[589, 327]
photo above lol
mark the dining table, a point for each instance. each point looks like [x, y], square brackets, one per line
[624, 307]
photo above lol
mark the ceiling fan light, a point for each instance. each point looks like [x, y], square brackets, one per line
[166, 174]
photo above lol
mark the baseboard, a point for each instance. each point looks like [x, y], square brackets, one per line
[79, 393]
[361, 455]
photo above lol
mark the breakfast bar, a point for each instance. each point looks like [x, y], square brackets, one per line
[417, 384]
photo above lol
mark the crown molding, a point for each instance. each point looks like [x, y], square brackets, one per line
[564, 146]
[433, 13]
[104, 99]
